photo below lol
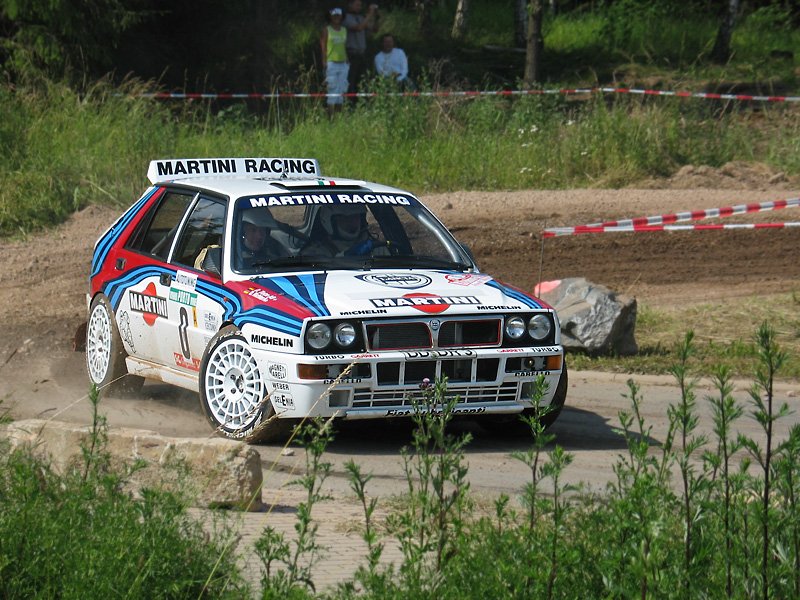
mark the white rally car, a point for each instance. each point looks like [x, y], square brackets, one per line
[278, 293]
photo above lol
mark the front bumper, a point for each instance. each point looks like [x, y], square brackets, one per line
[389, 384]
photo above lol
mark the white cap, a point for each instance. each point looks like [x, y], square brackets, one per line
[336, 11]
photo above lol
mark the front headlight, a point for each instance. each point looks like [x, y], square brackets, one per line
[539, 327]
[318, 336]
[515, 328]
[344, 334]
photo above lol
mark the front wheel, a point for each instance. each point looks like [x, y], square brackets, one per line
[233, 394]
[105, 355]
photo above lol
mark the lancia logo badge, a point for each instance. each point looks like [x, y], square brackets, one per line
[434, 323]
[408, 281]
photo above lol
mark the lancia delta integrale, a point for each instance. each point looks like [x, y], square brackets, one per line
[278, 294]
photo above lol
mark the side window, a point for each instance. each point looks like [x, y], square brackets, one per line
[158, 228]
[203, 229]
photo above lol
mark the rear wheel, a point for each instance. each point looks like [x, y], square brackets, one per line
[514, 425]
[105, 354]
[232, 392]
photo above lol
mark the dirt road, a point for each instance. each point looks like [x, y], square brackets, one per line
[43, 285]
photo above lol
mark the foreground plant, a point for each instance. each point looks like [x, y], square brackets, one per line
[297, 558]
[437, 490]
[771, 359]
[726, 411]
[787, 485]
[643, 505]
[80, 534]
[684, 420]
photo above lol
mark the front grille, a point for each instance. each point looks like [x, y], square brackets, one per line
[506, 392]
[470, 333]
[434, 333]
[397, 336]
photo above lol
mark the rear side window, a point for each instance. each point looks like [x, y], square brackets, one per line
[203, 229]
[160, 225]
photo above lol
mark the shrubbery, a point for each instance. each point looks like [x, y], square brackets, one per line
[687, 517]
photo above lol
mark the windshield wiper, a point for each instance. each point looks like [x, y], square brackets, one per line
[310, 262]
[416, 261]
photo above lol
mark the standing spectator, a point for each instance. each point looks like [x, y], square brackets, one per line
[334, 60]
[392, 62]
[357, 25]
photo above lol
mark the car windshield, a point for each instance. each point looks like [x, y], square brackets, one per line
[352, 230]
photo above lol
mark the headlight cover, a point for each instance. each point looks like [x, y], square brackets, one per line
[344, 334]
[515, 327]
[539, 327]
[318, 336]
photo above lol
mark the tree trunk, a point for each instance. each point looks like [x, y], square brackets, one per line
[722, 46]
[520, 23]
[424, 15]
[535, 46]
[460, 22]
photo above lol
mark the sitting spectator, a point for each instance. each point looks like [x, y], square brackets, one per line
[392, 62]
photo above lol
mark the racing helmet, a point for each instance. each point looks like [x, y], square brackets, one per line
[328, 217]
[260, 217]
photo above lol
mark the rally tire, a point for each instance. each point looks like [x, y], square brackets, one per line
[105, 354]
[514, 425]
[233, 395]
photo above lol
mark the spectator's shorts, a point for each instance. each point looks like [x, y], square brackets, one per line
[336, 78]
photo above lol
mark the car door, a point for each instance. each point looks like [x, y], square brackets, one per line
[144, 310]
[193, 296]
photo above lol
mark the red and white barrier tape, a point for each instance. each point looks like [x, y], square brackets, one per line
[661, 222]
[475, 93]
[679, 227]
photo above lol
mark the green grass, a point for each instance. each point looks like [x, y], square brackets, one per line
[67, 151]
[723, 336]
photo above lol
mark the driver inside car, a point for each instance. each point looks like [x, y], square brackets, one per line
[256, 243]
[345, 233]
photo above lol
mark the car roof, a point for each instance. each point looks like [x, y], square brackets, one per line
[231, 176]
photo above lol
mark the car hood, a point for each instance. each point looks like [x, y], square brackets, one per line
[390, 293]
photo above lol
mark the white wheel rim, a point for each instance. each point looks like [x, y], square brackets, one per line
[233, 385]
[98, 344]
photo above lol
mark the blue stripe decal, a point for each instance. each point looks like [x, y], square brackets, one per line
[520, 297]
[307, 290]
[222, 296]
[271, 319]
[112, 235]
[264, 316]
[115, 288]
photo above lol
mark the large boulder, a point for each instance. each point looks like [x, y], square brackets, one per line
[593, 318]
[216, 471]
